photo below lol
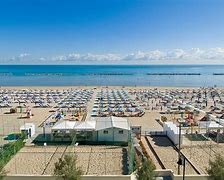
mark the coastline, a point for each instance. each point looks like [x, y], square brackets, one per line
[98, 87]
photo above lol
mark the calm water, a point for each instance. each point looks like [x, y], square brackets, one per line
[63, 75]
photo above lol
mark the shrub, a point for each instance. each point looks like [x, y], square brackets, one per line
[216, 168]
[146, 170]
[10, 150]
[67, 169]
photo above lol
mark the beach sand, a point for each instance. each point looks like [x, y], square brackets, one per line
[31, 160]
[93, 160]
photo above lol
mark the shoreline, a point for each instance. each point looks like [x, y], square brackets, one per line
[109, 87]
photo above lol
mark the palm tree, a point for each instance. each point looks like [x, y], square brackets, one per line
[66, 168]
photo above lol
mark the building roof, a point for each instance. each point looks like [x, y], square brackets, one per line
[86, 125]
[96, 124]
[27, 126]
[210, 124]
[112, 122]
[64, 125]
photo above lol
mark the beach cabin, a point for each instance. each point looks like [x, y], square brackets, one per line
[112, 129]
[172, 131]
[28, 129]
[98, 130]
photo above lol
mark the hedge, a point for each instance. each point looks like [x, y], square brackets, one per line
[10, 149]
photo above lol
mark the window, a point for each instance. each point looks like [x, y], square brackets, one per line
[121, 132]
[105, 132]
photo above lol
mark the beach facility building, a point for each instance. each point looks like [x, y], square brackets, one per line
[172, 131]
[28, 129]
[112, 129]
[63, 131]
[102, 130]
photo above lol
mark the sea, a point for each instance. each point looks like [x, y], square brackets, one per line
[112, 75]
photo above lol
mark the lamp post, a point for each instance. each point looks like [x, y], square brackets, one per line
[184, 168]
[182, 162]
[179, 148]
[181, 159]
[45, 159]
[44, 132]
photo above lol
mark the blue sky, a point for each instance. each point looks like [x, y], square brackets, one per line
[112, 31]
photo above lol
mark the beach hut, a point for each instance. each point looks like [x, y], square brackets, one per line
[28, 129]
[172, 131]
[112, 129]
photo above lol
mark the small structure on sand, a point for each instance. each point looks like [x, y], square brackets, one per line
[172, 131]
[102, 130]
[28, 129]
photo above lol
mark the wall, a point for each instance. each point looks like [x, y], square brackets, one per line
[168, 172]
[105, 137]
[165, 172]
[191, 177]
[86, 177]
[172, 132]
[113, 135]
[121, 137]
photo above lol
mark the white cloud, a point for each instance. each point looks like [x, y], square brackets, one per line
[176, 54]
[23, 55]
[214, 53]
[157, 55]
[87, 57]
[42, 59]
[194, 55]
[20, 57]
[148, 56]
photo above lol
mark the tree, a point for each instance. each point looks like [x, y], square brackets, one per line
[66, 168]
[2, 173]
[146, 170]
[216, 168]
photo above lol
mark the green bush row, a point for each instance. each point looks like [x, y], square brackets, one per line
[10, 149]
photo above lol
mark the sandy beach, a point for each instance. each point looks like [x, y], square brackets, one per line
[155, 103]
[93, 160]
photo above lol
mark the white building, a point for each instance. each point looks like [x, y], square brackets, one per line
[112, 129]
[103, 129]
[209, 125]
[172, 131]
[28, 129]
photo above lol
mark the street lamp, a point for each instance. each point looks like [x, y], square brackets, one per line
[45, 161]
[181, 158]
[182, 162]
[179, 153]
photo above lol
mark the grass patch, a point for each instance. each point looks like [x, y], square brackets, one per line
[196, 137]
